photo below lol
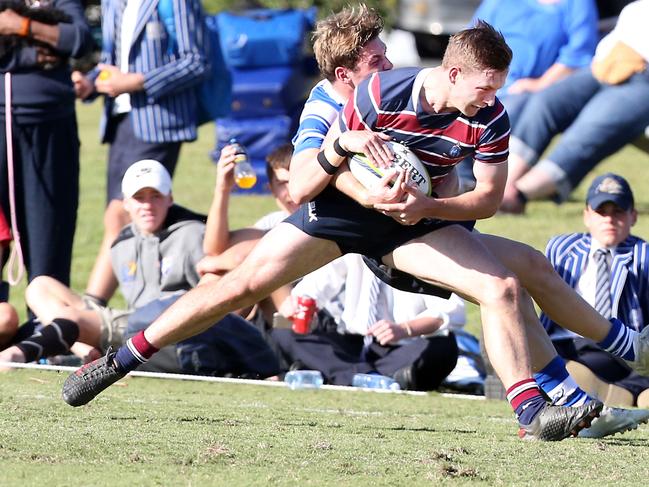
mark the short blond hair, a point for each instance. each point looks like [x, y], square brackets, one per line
[339, 38]
[478, 48]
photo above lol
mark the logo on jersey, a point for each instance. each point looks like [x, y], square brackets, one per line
[312, 216]
[455, 151]
[128, 272]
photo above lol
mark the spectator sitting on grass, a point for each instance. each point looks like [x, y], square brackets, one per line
[154, 259]
[619, 289]
[224, 248]
[406, 336]
[598, 110]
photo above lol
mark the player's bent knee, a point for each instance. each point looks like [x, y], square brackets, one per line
[539, 270]
[502, 290]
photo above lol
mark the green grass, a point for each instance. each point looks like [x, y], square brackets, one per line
[155, 432]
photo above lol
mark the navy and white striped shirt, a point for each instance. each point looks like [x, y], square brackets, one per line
[166, 110]
[629, 277]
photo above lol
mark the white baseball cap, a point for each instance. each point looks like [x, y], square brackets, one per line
[147, 173]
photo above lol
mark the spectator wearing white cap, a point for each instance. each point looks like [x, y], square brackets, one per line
[609, 268]
[154, 260]
[154, 54]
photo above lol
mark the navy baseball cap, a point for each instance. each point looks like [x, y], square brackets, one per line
[610, 187]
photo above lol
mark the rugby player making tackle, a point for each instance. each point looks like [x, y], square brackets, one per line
[426, 237]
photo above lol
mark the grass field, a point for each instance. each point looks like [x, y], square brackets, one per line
[155, 432]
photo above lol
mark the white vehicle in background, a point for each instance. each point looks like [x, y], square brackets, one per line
[433, 21]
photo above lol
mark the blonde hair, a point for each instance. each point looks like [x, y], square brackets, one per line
[339, 38]
[478, 48]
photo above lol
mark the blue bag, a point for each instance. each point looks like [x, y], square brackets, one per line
[214, 93]
[265, 92]
[259, 135]
[264, 37]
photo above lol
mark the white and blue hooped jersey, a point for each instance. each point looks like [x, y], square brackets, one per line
[319, 113]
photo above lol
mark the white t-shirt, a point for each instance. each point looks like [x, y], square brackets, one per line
[631, 28]
[342, 286]
[129, 19]
[270, 221]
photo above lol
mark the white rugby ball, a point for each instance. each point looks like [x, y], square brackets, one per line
[368, 174]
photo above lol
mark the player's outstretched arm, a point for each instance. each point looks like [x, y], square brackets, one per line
[312, 169]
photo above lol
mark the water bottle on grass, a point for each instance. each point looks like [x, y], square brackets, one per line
[304, 379]
[375, 381]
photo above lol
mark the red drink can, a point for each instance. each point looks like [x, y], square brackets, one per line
[306, 308]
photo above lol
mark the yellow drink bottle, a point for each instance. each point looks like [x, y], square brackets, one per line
[244, 174]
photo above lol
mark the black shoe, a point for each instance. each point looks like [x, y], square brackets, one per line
[405, 378]
[555, 423]
[85, 383]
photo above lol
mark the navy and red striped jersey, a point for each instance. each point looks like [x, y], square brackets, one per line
[389, 102]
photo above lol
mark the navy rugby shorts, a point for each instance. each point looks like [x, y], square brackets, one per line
[356, 229]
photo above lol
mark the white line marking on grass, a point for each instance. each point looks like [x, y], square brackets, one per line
[470, 397]
[205, 378]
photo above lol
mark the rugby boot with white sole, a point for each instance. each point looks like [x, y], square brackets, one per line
[615, 420]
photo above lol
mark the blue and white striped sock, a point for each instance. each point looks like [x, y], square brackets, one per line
[619, 340]
[560, 387]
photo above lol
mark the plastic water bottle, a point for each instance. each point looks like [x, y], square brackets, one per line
[244, 174]
[375, 381]
[304, 379]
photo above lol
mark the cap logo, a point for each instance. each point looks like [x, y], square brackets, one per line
[610, 186]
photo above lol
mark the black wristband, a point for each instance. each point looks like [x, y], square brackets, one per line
[95, 299]
[325, 164]
[339, 149]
